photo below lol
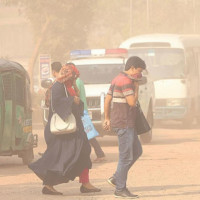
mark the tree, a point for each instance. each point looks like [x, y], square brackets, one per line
[61, 25]
[58, 26]
[111, 22]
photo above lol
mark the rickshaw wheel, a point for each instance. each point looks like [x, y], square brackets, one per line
[27, 156]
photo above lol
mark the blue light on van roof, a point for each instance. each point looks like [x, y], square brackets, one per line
[80, 52]
[97, 52]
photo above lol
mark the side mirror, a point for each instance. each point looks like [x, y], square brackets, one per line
[143, 81]
[46, 83]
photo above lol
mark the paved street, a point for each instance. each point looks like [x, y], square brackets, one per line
[168, 170]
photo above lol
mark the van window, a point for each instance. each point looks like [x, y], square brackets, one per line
[151, 44]
[99, 73]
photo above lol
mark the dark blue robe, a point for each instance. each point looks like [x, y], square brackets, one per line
[66, 155]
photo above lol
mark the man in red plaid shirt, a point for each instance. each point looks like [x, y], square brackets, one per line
[123, 93]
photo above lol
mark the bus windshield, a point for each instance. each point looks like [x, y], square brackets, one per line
[99, 73]
[162, 63]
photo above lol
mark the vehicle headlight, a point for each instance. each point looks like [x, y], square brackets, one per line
[175, 102]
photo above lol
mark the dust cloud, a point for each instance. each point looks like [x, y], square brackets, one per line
[109, 24]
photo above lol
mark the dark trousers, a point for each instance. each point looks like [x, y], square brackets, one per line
[98, 151]
[130, 149]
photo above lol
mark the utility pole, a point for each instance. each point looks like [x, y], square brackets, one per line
[131, 18]
[147, 13]
[194, 16]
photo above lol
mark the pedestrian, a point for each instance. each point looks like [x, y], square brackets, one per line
[67, 156]
[55, 69]
[123, 92]
[94, 143]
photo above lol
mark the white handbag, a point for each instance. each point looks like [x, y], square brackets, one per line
[58, 126]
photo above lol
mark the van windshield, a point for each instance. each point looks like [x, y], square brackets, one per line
[99, 73]
[162, 63]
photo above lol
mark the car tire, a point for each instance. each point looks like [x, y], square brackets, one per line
[187, 122]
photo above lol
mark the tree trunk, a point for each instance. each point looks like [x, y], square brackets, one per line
[35, 52]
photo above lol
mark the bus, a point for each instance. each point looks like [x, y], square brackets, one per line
[174, 64]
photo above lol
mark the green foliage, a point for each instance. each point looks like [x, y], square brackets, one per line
[68, 27]
[110, 23]
[76, 24]
[113, 23]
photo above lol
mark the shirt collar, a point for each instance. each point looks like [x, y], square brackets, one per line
[127, 75]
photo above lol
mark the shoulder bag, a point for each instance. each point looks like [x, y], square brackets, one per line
[58, 126]
[141, 124]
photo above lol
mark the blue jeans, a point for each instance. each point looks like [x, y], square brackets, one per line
[130, 149]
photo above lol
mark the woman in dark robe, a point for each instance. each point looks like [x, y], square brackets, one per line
[67, 156]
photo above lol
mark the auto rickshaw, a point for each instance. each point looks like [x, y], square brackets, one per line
[16, 137]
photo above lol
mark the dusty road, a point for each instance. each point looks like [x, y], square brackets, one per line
[168, 170]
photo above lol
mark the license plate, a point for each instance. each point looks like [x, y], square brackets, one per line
[27, 129]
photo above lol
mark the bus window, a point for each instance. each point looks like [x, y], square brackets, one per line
[190, 62]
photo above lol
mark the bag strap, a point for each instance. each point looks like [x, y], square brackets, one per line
[66, 91]
[52, 98]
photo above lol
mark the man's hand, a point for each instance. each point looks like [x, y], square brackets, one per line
[136, 86]
[132, 99]
[106, 125]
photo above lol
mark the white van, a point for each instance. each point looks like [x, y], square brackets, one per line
[97, 69]
[174, 63]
